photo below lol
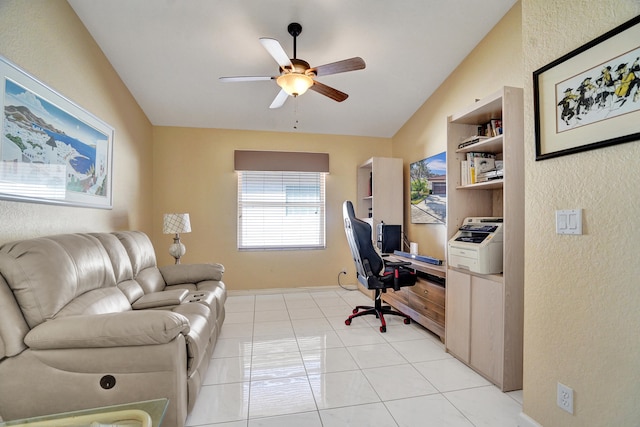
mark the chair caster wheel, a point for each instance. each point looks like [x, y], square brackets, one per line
[354, 311]
[407, 321]
[383, 329]
[347, 322]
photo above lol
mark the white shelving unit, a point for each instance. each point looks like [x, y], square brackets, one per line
[484, 313]
[380, 192]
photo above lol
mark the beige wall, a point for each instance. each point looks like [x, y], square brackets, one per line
[495, 62]
[194, 173]
[47, 39]
[582, 293]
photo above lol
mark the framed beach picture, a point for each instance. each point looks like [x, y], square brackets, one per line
[52, 150]
[428, 180]
[590, 97]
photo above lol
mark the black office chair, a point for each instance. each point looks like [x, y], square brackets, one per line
[371, 270]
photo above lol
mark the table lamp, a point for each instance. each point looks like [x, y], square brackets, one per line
[176, 223]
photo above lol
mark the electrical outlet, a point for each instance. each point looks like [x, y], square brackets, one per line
[565, 398]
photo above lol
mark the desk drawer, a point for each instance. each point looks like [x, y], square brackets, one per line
[429, 291]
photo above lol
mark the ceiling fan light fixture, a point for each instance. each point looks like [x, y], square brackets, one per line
[294, 84]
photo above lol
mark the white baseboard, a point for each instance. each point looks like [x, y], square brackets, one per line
[526, 421]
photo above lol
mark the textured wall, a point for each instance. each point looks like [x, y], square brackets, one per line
[47, 39]
[582, 293]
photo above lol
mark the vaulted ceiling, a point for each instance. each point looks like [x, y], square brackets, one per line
[171, 53]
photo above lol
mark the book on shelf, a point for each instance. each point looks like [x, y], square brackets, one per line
[496, 127]
[476, 163]
[471, 140]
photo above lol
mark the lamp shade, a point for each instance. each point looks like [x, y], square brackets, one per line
[294, 83]
[175, 223]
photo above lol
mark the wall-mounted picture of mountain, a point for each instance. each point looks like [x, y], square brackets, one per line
[51, 150]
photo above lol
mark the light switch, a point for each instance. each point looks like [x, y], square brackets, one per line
[569, 221]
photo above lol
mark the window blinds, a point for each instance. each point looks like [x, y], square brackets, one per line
[281, 210]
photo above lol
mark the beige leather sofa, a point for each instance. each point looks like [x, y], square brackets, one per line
[89, 320]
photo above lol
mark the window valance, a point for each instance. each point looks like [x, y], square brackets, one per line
[281, 161]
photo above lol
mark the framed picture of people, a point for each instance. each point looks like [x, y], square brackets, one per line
[590, 97]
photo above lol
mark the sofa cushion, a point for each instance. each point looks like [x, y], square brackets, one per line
[202, 325]
[177, 274]
[130, 328]
[47, 273]
[97, 301]
[13, 327]
[143, 260]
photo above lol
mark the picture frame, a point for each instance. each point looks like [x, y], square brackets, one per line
[51, 150]
[590, 97]
[428, 183]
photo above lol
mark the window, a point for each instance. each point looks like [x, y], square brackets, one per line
[281, 210]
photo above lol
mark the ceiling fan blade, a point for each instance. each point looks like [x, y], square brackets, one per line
[275, 49]
[245, 78]
[280, 99]
[325, 90]
[345, 65]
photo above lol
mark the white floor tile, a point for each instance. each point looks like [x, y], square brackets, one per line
[276, 365]
[376, 355]
[313, 312]
[315, 341]
[337, 322]
[233, 347]
[282, 327]
[271, 315]
[401, 332]
[422, 350]
[274, 344]
[220, 403]
[486, 406]
[370, 415]
[426, 411]
[397, 382]
[280, 396]
[450, 374]
[228, 370]
[360, 336]
[306, 419]
[308, 326]
[338, 389]
[325, 360]
[238, 317]
[340, 309]
[236, 330]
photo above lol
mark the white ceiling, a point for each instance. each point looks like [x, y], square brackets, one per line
[170, 54]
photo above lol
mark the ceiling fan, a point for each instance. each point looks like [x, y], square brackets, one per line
[296, 76]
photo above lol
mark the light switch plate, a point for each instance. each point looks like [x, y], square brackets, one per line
[569, 221]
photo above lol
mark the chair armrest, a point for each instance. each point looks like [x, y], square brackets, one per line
[129, 328]
[177, 274]
[397, 263]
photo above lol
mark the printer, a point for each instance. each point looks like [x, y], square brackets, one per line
[477, 246]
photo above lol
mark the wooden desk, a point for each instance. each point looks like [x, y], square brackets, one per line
[425, 301]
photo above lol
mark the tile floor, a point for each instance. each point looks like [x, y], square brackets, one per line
[288, 359]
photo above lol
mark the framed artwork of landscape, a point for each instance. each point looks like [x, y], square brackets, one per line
[428, 178]
[51, 150]
[590, 97]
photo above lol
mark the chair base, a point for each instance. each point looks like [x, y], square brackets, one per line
[378, 310]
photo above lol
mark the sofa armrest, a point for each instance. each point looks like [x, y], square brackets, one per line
[129, 328]
[160, 299]
[178, 274]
